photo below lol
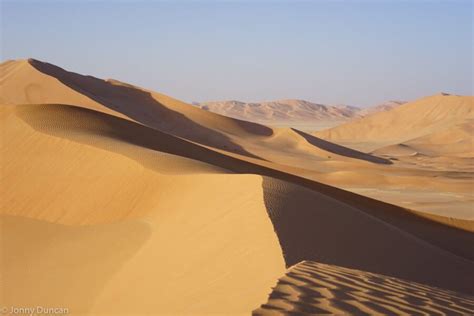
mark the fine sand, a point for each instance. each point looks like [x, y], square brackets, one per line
[120, 200]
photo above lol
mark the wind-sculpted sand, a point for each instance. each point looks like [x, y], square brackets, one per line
[119, 200]
[320, 289]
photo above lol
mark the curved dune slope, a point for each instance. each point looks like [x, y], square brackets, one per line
[406, 122]
[107, 172]
[454, 141]
[34, 82]
[315, 288]
[87, 222]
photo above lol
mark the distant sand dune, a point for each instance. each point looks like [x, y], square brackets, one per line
[315, 288]
[453, 141]
[281, 111]
[406, 122]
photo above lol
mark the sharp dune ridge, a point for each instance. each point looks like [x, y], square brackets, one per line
[128, 193]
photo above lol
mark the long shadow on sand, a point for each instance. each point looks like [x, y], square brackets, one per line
[315, 288]
[317, 227]
[341, 150]
[140, 106]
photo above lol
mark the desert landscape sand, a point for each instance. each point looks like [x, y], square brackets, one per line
[300, 114]
[120, 200]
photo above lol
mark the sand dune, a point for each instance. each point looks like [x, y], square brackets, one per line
[52, 84]
[280, 110]
[98, 211]
[146, 204]
[453, 141]
[300, 114]
[315, 288]
[382, 107]
[409, 121]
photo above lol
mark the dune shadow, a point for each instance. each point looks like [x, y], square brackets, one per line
[46, 264]
[341, 150]
[315, 288]
[140, 106]
[79, 124]
[312, 226]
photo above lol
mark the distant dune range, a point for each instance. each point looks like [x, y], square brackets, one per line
[149, 205]
[291, 110]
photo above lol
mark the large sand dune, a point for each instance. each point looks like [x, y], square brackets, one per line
[406, 122]
[35, 82]
[117, 200]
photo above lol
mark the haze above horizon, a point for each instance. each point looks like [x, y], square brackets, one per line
[357, 53]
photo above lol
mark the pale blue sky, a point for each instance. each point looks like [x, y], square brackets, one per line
[351, 52]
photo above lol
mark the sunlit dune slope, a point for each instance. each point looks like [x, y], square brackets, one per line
[410, 121]
[315, 288]
[35, 82]
[89, 217]
[454, 141]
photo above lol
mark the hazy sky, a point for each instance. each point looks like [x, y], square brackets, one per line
[358, 53]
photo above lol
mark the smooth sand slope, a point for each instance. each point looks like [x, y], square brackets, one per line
[106, 211]
[407, 122]
[454, 141]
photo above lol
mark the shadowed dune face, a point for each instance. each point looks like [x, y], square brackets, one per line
[143, 107]
[315, 288]
[87, 125]
[35, 82]
[332, 232]
[340, 150]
